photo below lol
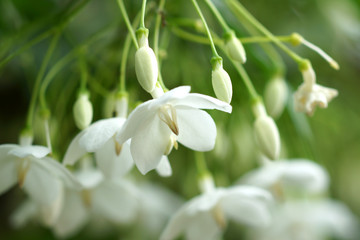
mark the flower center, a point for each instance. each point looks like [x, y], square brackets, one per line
[167, 114]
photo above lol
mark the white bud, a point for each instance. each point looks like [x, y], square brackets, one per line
[266, 133]
[235, 49]
[276, 94]
[146, 66]
[221, 83]
[83, 111]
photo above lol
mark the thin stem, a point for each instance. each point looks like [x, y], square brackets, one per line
[127, 22]
[143, 9]
[156, 39]
[84, 72]
[124, 58]
[201, 164]
[193, 37]
[62, 63]
[244, 12]
[214, 52]
[39, 77]
[44, 35]
[217, 14]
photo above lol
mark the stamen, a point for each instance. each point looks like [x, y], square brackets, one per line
[23, 168]
[118, 147]
[86, 197]
[171, 121]
[219, 216]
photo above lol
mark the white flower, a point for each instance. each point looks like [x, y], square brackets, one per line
[298, 175]
[310, 220]
[309, 94]
[235, 48]
[204, 217]
[156, 125]
[113, 159]
[110, 199]
[41, 177]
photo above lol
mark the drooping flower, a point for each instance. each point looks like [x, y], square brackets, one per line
[287, 177]
[309, 220]
[113, 159]
[41, 177]
[83, 111]
[276, 94]
[221, 82]
[205, 216]
[156, 125]
[234, 48]
[309, 94]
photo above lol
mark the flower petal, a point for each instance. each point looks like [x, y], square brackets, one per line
[196, 100]
[174, 94]
[41, 185]
[164, 167]
[111, 164]
[74, 151]
[248, 205]
[149, 144]
[176, 225]
[73, 217]
[25, 151]
[8, 174]
[23, 214]
[99, 133]
[58, 170]
[137, 118]
[115, 201]
[203, 226]
[197, 129]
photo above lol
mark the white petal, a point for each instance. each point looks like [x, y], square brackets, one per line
[112, 165]
[36, 151]
[61, 172]
[73, 217]
[23, 214]
[115, 201]
[99, 133]
[50, 213]
[248, 205]
[176, 225]
[171, 96]
[137, 118]
[197, 129]
[74, 151]
[149, 144]
[8, 173]
[203, 226]
[164, 167]
[196, 100]
[41, 185]
[89, 177]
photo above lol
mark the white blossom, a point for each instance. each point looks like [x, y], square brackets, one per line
[309, 94]
[205, 216]
[156, 125]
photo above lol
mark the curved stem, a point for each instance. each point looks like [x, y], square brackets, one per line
[127, 22]
[240, 9]
[217, 14]
[214, 52]
[156, 40]
[143, 9]
[39, 77]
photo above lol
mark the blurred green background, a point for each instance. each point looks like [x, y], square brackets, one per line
[331, 137]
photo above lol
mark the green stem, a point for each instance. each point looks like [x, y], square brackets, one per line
[127, 22]
[39, 77]
[62, 63]
[143, 9]
[44, 35]
[235, 5]
[124, 58]
[254, 96]
[217, 14]
[201, 164]
[214, 52]
[84, 72]
[156, 40]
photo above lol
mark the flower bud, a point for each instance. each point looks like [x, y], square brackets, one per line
[221, 83]
[83, 111]
[235, 48]
[276, 93]
[266, 133]
[146, 66]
